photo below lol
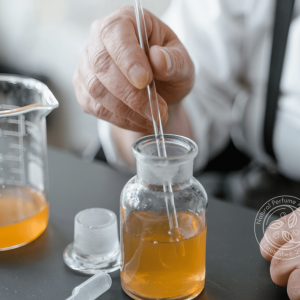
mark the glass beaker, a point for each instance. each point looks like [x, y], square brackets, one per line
[155, 263]
[24, 210]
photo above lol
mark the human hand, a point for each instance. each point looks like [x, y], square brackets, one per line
[285, 263]
[113, 71]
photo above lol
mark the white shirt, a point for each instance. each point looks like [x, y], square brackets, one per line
[230, 44]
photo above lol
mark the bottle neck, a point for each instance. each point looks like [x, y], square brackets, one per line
[164, 173]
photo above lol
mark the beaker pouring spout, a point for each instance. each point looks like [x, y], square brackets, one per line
[20, 95]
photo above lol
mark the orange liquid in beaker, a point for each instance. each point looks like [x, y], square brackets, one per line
[24, 215]
[157, 267]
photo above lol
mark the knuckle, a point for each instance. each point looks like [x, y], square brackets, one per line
[129, 114]
[95, 108]
[92, 85]
[98, 109]
[119, 53]
[178, 64]
[123, 51]
[101, 92]
[108, 24]
[101, 61]
[130, 96]
[102, 112]
[124, 111]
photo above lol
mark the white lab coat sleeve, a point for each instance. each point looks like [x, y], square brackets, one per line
[111, 152]
[212, 32]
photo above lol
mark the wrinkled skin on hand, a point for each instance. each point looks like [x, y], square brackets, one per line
[113, 71]
[284, 272]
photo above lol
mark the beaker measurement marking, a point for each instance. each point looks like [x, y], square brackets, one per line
[15, 146]
[14, 170]
[28, 123]
[13, 158]
[13, 182]
[11, 121]
[11, 133]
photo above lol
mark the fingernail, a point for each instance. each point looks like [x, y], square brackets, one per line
[162, 110]
[167, 58]
[139, 76]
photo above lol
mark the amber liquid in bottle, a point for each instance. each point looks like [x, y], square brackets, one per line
[24, 214]
[158, 266]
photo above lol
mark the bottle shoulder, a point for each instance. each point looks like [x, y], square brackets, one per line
[137, 194]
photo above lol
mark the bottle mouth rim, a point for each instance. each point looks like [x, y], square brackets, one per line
[191, 146]
[50, 101]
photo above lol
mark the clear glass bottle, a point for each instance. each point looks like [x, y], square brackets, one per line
[155, 263]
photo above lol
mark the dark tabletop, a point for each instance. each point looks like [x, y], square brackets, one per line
[235, 268]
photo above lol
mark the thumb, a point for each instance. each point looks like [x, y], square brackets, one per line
[171, 63]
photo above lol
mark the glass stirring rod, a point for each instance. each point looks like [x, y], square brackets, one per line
[158, 130]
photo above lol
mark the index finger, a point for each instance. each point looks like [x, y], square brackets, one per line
[119, 35]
